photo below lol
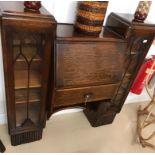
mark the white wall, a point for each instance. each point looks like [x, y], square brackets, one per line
[2, 90]
[65, 12]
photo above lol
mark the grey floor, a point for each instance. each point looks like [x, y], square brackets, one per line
[73, 133]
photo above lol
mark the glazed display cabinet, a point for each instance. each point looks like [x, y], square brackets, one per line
[27, 46]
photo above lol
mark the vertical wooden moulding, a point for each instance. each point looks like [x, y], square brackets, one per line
[27, 39]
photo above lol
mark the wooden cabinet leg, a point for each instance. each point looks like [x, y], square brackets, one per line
[2, 147]
[100, 114]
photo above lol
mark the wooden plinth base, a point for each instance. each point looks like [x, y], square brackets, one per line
[97, 119]
[100, 113]
[26, 137]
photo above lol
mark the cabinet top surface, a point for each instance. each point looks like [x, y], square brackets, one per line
[16, 8]
[128, 18]
[68, 32]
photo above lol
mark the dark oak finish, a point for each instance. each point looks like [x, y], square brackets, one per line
[27, 39]
[85, 65]
[77, 95]
[139, 37]
[79, 64]
[96, 72]
[48, 69]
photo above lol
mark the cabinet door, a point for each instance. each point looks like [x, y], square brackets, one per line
[26, 62]
[89, 63]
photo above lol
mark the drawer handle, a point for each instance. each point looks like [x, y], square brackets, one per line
[87, 97]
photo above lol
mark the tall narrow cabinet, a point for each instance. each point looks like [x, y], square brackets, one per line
[27, 39]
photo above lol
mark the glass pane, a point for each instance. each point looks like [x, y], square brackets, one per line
[27, 51]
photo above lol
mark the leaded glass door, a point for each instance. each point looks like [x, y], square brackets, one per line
[28, 51]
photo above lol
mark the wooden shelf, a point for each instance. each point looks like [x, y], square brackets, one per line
[21, 96]
[21, 79]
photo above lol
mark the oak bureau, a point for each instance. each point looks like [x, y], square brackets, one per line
[50, 66]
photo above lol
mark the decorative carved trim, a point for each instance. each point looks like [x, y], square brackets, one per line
[137, 48]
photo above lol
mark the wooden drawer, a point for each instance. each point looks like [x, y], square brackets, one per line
[66, 97]
[84, 64]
